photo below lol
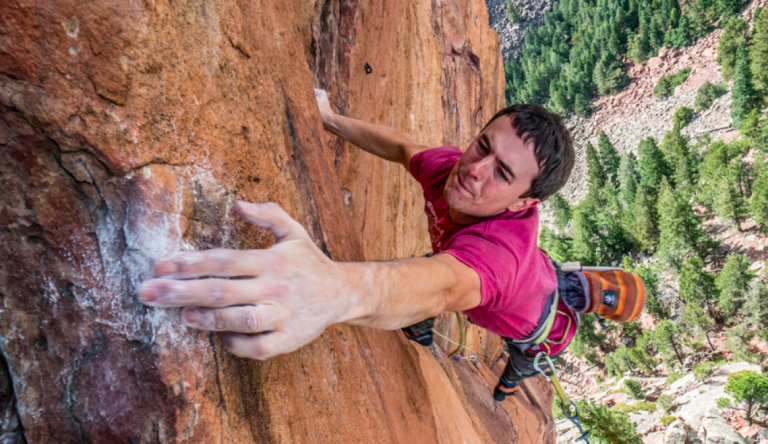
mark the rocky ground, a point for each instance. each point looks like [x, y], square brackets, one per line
[698, 420]
[511, 34]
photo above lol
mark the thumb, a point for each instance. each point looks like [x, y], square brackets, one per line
[271, 216]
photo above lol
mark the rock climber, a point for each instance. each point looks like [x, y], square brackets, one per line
[481, 205]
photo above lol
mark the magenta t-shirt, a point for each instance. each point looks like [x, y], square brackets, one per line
[515, 275]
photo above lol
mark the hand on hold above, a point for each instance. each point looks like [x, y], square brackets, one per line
[290, 292]
[326, 112]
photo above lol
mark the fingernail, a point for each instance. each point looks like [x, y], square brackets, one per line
[201, 319]
[190, 317]
[147, 293]
[165, 268]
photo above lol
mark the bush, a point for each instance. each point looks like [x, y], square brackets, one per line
[682, 117]
[623, 407]
[608, 426]
[667, 84]
[667, 420]
[749, 388]
[702, 371]
[633, 388]
[649, 407]
[737, 341]
[707, 94]
[514, 13]
[666, 403]
[724, 403]
[599, 379]
[557, 408]
[674, 377]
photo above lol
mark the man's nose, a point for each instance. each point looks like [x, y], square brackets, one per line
[477, 169]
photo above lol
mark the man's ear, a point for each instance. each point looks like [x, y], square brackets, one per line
[524, 204]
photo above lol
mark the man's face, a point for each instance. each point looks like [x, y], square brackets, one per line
[492, 174]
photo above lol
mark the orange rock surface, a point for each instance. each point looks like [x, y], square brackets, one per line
[127, 131]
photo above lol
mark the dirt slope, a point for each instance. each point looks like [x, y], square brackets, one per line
[128, 130]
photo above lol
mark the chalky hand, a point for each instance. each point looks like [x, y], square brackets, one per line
[288, 293]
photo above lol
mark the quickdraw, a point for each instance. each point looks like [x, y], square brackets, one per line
[551, 376]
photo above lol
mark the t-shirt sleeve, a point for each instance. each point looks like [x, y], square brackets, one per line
[497, 267]
[428, 165]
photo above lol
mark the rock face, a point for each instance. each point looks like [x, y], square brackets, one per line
[129, 129]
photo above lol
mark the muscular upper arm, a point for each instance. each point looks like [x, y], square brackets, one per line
[409, 151]
[467, 292]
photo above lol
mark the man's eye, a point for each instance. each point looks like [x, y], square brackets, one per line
[482, 148]
[501, 174]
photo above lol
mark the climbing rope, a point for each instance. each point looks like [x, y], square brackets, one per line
[461, 344]
[472, 357]
[571, 412]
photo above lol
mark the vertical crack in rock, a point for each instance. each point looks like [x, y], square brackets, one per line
[11, 428]
[301, 177]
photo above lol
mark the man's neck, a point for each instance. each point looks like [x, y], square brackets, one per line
[463, 219]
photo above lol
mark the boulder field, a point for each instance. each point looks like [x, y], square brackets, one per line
[128, 130]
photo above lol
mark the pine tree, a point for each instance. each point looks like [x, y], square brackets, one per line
[629, 178]
[558, 246]
[735, 32]
[733, 281]
[680, 36]
[758, 52]
[715, 159]
[581, 105]
[743, 97]
[680, 230]
[728, 200]
[645, 33]
[695, 316]
[585, 233]
[756, 307]
[595, 171]
[561, 209]
[657, 32]
[610, 158]
[653, 303]
[653, 166]
[697, 286]
[666, 339]
[642, 222]
[759, 200]
[614, 240]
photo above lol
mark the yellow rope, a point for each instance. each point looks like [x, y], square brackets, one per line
[462, 341]
[454, 342]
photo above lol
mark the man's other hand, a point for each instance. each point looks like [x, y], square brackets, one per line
[326, 112]
[288, 293]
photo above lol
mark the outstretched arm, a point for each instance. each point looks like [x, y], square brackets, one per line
[379, 140]
[293, 292]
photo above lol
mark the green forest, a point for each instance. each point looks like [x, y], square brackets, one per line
[645, 212]
[582, 48]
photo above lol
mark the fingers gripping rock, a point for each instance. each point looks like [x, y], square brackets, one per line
[272, 217]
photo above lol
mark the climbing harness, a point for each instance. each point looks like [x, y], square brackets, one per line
[608, 292]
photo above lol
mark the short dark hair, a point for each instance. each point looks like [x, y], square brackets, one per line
[552, 146]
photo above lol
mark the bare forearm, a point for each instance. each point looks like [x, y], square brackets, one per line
[379, 140]
[399, 293]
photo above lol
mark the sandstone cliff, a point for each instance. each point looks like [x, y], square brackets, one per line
[128, 130]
